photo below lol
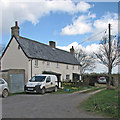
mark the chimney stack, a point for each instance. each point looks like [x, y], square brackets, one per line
[52, 44]
[15, 30]
[72, 50]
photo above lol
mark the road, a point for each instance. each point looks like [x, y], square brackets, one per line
[45, 106]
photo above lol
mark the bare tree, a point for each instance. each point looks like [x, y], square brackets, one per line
[87, 61]
[103, 55]
[2, 48]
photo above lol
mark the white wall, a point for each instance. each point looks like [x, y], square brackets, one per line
[42, 66]
[14, 58]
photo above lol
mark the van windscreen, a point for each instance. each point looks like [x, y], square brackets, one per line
[38, 79]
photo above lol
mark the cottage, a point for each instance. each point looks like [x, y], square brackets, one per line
[36, 58]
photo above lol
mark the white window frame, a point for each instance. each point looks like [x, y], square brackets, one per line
[36, 63]
[73, 67]
[57, 65]
[67, 77]
[67, 67]
[48, 63]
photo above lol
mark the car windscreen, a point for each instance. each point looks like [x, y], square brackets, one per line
[102, 78]
[38, 79]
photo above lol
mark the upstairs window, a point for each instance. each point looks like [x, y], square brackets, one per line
[36, 63]
[57, 65]
[66, 66]
[73, 67]
[48, 63]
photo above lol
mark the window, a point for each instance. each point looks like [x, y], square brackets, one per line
[66, 66]
[67, 77]
[1, 81]
[48, 79]
[48, 63]
[57, 65]
[73, 67]
[38, 79]
[36, 63]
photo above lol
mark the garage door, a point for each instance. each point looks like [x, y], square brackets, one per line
[16, 83]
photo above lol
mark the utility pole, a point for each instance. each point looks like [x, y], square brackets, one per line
[109, 54]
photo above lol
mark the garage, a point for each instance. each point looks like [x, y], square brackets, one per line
[54, 73]
[15, 79]
[16, 83]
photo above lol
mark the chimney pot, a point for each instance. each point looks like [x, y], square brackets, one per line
[52, 44]
[72, 50]
[15, 30]
[16, 23]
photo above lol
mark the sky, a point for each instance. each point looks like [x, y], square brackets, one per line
[67, 22]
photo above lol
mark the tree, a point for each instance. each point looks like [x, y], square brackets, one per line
[108, 58]
[87, 61]
[2, 48]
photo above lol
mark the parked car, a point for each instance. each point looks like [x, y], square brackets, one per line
[42, 83]
[102, 80]
[3, 88]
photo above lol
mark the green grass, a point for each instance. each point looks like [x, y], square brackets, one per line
[72, 89]
[104, 103]
[10, 94]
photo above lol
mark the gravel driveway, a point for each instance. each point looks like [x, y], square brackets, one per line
[45, 106]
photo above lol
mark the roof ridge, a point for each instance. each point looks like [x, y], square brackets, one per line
[41, 43]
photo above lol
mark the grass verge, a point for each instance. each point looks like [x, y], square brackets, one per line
[104, 103]
[10, 94]
[75, 89]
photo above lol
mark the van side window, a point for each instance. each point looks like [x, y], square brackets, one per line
[48, 79]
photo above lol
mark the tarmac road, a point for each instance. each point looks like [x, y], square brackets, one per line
[45, 106]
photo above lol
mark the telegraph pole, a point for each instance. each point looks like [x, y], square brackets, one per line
[109, 54]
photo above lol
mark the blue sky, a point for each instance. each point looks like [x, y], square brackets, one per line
[66, 22]
[49, 26]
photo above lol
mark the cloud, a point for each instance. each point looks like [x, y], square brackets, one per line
[87, 24]
[89, 49]
[81, 25]
[103, 22]
[67, 48]
[32, 11]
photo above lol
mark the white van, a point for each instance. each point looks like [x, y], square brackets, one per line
[41, 84]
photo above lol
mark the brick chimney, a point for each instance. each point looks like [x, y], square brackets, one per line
[72, 50]
[15, 30]
[52, 44]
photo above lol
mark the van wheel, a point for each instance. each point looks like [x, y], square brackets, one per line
[55, 90]
[43, 91]
[5, 93]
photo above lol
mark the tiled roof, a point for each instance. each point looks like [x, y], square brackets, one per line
[37, 50]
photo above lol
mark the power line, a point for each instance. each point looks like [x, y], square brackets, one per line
[93, 36]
